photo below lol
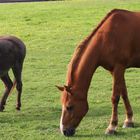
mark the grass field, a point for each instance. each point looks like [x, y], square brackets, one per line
[51, 31]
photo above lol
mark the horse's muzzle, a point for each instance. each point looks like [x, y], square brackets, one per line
[69, 132]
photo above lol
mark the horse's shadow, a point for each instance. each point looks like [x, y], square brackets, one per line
[120, 133]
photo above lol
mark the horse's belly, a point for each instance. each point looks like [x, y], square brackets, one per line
[135, 61]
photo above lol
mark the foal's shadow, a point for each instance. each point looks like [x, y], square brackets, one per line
[29, 115]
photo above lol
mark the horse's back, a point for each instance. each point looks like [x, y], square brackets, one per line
[121, 39]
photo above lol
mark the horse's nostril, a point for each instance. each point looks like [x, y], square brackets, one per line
[65, 132]
[69, 132]
[72, 132]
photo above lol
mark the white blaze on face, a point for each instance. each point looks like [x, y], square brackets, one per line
[61, 123]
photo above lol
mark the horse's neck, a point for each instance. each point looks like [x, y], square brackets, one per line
[85, 68]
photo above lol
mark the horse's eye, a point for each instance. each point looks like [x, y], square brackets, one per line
[69, 108]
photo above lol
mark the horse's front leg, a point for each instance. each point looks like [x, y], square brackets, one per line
[118, 86]
[114, 117]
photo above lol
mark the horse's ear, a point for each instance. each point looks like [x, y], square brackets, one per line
[60, 88]
[67, 88]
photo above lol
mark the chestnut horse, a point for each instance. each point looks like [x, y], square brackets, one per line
[12, 54]
[114, 45]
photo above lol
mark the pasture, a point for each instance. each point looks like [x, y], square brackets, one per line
[51, 31]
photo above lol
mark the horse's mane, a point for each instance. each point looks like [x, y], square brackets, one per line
[82, 46]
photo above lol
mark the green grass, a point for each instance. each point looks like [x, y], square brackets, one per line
[51, 31]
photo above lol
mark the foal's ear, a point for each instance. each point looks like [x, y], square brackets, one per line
[60, 88]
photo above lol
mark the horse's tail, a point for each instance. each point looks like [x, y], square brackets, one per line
[14, 84]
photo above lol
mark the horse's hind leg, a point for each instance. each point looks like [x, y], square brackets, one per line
[8, 85]
[17, 70]
[129, 113]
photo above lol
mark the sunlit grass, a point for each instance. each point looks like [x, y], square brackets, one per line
[51, 31]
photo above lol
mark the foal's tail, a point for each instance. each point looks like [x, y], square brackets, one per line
[14, 84]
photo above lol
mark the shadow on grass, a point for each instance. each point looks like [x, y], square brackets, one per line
[84, 136]
[34, 114]
[99, 135]
[42, 114]
[136, 125]
[45, 115]
[117, 135]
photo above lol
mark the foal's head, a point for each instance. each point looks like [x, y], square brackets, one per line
[74, 109]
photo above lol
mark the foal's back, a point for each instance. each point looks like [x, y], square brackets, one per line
[12, 50]
[12, 54]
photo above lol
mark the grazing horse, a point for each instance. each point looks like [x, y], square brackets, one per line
[114, 45]
[12, 54]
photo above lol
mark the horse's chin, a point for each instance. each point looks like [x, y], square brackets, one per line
[68, 132]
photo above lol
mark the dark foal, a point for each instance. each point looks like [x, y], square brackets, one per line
[12, 54]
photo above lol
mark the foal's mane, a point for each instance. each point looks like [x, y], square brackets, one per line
[81, 48]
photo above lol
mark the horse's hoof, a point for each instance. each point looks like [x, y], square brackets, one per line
[110, 132]
[128, 125]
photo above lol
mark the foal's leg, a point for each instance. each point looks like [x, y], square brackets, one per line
[118, 86]
[8, 85]
[17, 70]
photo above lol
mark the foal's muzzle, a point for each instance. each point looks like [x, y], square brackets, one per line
[69, 132]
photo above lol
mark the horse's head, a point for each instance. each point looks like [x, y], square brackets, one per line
[74, 109]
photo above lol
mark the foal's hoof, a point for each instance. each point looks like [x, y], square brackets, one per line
[18, 108]
[1, 108]
[128, 125]
[110, 132]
